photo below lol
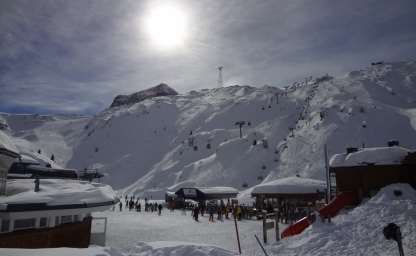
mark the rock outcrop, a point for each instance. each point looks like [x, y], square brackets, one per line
[156, 91]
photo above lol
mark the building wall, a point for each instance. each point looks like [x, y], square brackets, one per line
[367, 180]
[66, 235]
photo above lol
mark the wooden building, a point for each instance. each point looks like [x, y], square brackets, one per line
[49, 218]
[293, 197]
[200, 194]
[365, 171]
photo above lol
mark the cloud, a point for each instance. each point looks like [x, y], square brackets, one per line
[55, 55]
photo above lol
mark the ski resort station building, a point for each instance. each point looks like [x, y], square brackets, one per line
[364, 172]
[50, 212]
[289, 193]
[199, 194]
[27, 167]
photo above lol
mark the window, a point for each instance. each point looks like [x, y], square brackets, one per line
[76, 218]
[43, 223]
[5, 224]
[24, 223]
[66, 219]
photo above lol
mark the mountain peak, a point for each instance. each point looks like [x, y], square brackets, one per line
[156, 91]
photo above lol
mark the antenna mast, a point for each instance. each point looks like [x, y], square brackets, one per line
[220, 81]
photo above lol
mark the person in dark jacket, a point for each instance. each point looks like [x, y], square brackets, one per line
[196, 213]
[212, 207]
[159, 207]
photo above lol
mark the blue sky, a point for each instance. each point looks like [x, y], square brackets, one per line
[76, 56]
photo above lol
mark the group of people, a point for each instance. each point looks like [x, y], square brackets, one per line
[212, 207]
[134, 204]
[288, 212]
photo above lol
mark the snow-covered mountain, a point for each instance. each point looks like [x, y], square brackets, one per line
[194, 138]
[40, 136]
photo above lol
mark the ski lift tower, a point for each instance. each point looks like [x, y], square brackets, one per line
[220, 81]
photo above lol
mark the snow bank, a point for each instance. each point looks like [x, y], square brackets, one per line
[57, 192]
[141, 249]
[290, 185]
[365, 156]
[360, 231]
[178, 248]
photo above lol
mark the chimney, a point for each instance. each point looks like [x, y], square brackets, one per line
[351, 150]
[392, 143]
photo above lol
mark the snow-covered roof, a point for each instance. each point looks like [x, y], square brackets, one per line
[377, 156]
[28, 159]
[218, 190]
[54, 192]
[290, 185]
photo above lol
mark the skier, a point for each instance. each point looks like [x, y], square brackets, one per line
[121, 206]
[160, 209]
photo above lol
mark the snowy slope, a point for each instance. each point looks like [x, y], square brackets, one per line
[192, 139]
[55, 135]
[360, 232]
[188, 139]
[367, 107]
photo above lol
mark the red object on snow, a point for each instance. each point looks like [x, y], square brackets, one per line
[328, 211]
[339, 202]
[297, 227]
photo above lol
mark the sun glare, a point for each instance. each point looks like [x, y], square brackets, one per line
[167, 26]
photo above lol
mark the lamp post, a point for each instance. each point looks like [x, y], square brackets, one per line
[392, 232]
[240, 124]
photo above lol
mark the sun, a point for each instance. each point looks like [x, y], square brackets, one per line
[166, 25]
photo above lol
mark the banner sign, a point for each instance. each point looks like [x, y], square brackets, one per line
[189, 192]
